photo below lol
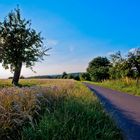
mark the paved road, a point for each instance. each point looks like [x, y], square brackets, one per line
[124, 108]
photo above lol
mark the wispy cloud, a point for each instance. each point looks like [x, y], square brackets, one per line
[52, 42]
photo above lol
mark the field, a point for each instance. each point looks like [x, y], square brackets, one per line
[125, 85]
[53, 110]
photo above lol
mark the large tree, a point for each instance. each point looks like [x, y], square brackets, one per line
[99, 69]
[120, 66]
[134, 59]
[19, 44]
[128, 66]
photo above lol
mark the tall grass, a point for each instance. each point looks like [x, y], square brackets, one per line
[5, 83]
[125, 85]
[54, 110]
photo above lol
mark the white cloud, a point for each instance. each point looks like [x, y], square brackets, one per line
[51, 42]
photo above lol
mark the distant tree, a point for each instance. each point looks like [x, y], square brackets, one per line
[22, 77]
[121, 70]
[10, 77]
[133, 59]
[64, 75]
[99, 69]
[85, 76]
[116, 58]
[76, 77]
[70, 76]
[123, 66]
[19, 44]
[119, 65]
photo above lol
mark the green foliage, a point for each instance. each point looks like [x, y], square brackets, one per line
[126, 85]
[76, 77]
[121, 70]
[85, 77]
[70, 76]
[19, 43]
[64, 75]
[99, 69]
[22, 77]
[134, 60]
[117, 69]
[128, 66]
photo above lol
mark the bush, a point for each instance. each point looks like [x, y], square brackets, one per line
[85, 77]
[99, 69]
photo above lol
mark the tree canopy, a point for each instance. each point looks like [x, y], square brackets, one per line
[19, 44]
[99, 69]
[127, 66]
[133, 58]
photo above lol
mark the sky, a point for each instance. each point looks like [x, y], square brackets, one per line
[78, 31]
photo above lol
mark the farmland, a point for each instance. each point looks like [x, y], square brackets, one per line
[53, 109]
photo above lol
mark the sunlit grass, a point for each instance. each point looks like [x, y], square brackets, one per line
[125, 85]
[5, 83]
[53, 109]
[34, 82]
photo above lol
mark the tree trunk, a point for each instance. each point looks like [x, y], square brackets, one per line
[17, 74]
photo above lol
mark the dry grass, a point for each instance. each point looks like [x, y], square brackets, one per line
[40, 109]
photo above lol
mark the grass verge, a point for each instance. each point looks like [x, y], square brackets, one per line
[129, 86]
[55, 110]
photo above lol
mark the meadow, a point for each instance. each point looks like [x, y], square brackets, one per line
[53, 110]
[126, 85]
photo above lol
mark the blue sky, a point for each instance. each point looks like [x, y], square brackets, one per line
[78, 30]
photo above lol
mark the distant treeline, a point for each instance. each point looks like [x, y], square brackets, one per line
[64, 75]
[116, 66]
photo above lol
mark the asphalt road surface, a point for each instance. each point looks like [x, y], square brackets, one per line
[124, 108]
